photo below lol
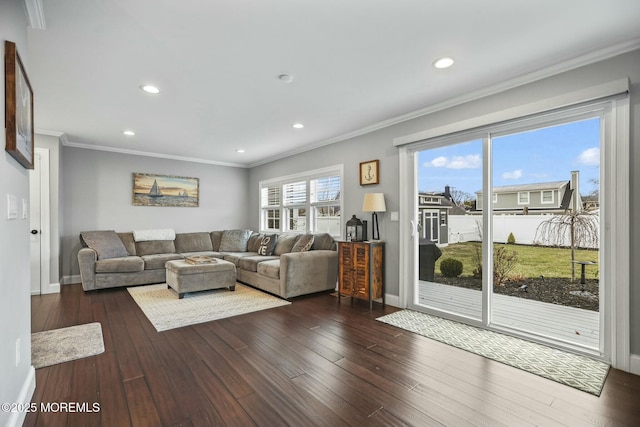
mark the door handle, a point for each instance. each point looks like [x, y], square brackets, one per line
[34, 231]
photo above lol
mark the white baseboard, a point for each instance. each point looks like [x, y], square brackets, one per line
[69, 280]
[24, 399]
[634, 364]
[53, 288]
[392, 300]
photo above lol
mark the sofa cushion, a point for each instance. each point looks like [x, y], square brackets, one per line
[235, 257]
[193, 242]
[157, 261]
[285, 243]
[106, 243]
[323, 241]
[216, 237]
[250, 263]
[254, 242]
[129, 243]
[128, 264]
[234, 240]
[155, 247]
[270, 268]
[268, 244]
[303, 244]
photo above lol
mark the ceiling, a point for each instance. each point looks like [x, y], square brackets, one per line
[356, 65]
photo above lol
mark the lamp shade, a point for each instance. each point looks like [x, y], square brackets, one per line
[374, 202]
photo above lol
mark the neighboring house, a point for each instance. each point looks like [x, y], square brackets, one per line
[434, 209]
[590, 203]
[537, 198]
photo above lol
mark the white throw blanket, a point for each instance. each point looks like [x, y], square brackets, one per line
[149, 235]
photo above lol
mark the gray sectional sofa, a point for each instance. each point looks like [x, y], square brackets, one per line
[283, 264]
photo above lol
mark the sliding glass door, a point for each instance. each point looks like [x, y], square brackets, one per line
[449, 246]
[546, 231]
[508, 228]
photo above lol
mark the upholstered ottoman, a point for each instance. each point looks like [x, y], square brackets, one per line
[184, 277]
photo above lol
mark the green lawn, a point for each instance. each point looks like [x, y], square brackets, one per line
[533, 261]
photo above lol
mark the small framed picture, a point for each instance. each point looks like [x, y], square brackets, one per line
[370, 172]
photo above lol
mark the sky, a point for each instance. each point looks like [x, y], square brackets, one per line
[542, 155]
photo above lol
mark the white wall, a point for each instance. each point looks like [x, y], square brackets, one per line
[98, 195]
[17, 380]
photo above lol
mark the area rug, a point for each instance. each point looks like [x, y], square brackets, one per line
[566, 368]
[66, 344]
[165, 311]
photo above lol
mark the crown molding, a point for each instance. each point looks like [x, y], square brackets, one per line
[35, 14]
[49, 132]
[577, 62]
[68, 143]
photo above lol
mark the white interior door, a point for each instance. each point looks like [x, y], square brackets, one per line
[39, 214]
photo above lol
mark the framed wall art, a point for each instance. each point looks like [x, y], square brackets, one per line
[18, 108]
[165, 190]
[370, 172]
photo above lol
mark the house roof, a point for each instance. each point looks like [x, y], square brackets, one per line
[554, 185]
[353, 67]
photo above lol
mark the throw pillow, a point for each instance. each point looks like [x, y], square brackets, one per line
[106, 243]
[234, 240]
[254, 242]
[303, 244]
[268, 244]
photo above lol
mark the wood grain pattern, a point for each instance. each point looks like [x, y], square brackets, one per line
[312, 363]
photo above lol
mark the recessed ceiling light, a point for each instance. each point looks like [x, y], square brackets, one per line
[150, 89]
[128, 132]
[298, 125]
[285, 78]
[445, 62]
[240, 150]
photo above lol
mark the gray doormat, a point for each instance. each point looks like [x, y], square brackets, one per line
[66, 344]
[566, 368]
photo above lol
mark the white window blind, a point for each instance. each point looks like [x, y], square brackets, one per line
[295, 193]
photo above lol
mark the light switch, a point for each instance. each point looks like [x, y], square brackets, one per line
[25, 209]
[395, 216]
[12, 206]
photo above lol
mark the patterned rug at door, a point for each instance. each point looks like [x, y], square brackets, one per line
[165, 311]
[66, 344]
[566, 368]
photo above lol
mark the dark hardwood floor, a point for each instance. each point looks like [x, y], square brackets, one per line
[312, 363]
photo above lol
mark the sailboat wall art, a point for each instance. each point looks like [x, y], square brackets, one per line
[165, 190]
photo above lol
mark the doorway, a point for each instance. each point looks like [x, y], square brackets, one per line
[40, 224]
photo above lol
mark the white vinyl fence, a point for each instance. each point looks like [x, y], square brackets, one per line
[468, 228]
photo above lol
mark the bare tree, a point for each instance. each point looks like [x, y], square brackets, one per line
[581, 227]
[460, 198]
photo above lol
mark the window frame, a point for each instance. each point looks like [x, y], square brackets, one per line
[542, 201]
[521, 203]
[311, 206]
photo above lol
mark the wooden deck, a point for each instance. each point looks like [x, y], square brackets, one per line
[567, 324]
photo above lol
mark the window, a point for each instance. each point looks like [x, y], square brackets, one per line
[523, 197]
[546, 196]
[270, 204]
[495, 197]
[310, 202]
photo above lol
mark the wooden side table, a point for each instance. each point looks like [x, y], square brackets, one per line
[361, 270]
